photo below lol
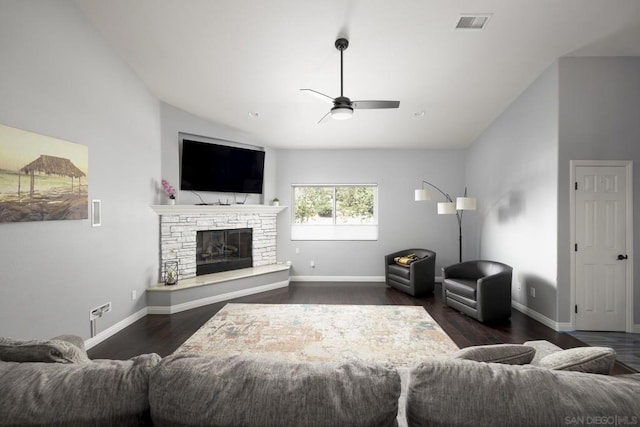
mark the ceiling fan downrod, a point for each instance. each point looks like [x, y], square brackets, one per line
[341, 45]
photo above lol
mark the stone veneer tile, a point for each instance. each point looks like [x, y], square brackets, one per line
[178, 237]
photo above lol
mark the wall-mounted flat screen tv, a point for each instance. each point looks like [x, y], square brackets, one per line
[221, 168]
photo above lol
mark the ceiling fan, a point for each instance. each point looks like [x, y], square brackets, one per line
[342, 106]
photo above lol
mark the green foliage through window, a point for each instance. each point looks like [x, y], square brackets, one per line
[348, 205]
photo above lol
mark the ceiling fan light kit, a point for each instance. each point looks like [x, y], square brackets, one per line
[341, 113]
[342, 106]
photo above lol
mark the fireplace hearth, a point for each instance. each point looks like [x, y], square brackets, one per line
[223, 250]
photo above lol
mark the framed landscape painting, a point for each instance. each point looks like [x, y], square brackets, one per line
[42, 178]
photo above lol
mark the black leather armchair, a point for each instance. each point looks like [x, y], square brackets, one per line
[418, 278]
[480, 289]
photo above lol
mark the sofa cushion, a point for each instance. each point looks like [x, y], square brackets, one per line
[50, 351]
[543, 348]
[595, 360]
[449, 392]
[72, 339]
[102, 393]
[189, 390]
[511, 354]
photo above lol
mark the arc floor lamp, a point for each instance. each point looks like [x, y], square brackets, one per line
[449, 207]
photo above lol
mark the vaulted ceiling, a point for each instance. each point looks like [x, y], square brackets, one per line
[241, 63]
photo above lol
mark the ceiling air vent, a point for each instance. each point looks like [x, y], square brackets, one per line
[472, 21]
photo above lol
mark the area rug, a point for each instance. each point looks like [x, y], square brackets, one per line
[397, 335]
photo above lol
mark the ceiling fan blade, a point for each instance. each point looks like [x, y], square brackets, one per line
[368, 105]
[325, 118]
[318, 95]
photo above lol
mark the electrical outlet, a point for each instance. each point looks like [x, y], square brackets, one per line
[533, 292]
[297, 250]
[312, 264]
[134, 295]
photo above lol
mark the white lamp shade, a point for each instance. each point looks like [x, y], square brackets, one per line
[446, 208]
[422, 194]
[466, 203]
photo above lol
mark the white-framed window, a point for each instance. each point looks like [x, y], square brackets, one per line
[334, 212]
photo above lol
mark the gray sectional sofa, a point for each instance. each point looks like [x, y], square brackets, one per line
[480, 386]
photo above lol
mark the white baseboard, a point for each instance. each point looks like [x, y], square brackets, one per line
[128, 321]
[337, 278]
[216, 298]
[438, 279]
[114, 329]
[564, 326]
[556, 326]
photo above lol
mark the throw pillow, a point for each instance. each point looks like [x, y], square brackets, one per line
[594, 360]
[73, 339]
[543, 348]
[510, 354]
[49, 351]
[406, 260]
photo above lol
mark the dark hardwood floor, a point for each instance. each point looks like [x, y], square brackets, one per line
[163, 334]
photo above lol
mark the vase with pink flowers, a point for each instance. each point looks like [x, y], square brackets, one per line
[170, 191]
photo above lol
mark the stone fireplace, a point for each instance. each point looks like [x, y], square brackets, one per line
[180, 224]
[223, 250]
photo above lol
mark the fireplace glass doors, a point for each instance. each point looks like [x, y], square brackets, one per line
[222, 250]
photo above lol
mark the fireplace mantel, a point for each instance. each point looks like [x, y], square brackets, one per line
[215, 209]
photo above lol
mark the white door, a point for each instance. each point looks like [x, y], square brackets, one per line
[600, 221]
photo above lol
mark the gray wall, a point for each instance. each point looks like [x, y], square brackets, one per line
[403, 223]
[175, 121]
[599, 120]
[580, 108]
[58, 78]
[512, 169]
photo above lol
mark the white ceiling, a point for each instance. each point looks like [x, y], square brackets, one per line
[224, 59]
